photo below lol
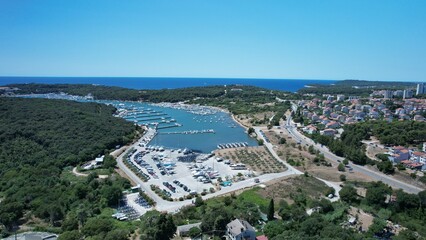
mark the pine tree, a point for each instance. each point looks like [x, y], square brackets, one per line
[271, 210]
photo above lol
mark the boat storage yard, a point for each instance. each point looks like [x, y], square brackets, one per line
[180, 172]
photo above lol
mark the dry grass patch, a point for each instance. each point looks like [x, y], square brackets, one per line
[287, 188]
[256, 119]
[259, 159]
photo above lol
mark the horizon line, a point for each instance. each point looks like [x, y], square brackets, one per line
[253, 78]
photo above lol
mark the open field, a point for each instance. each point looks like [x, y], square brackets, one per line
[287, 188]
[299, 156]
[256, 119]
[258, 159]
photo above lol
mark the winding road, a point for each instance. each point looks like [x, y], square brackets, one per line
[290, 126]
[291, 169]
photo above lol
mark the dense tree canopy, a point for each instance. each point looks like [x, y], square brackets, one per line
[38, 138]
[364, 88]
[236, 98]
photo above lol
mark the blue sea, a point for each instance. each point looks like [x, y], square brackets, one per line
[291, 85]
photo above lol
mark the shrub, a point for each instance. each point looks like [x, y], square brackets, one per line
[341, 167]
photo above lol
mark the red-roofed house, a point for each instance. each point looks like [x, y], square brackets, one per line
[310, 129]
[333, 125]
[399, 154]
[262, 237]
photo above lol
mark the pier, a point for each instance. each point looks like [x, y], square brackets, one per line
[132, 116]
[149, 115]
[170, 126]
[191, 132]
[151, 119]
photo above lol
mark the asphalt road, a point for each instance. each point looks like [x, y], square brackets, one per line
[290, 126]
[291, 169]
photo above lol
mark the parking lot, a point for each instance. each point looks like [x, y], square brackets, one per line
[179, 172]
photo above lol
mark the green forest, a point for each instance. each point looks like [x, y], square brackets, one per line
[363, 88]
[238, 99]
[38, 139]
[163, 95]
[287, 219]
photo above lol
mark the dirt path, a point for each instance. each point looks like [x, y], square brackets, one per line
[79, 174]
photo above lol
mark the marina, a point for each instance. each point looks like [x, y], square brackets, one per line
[176, 125]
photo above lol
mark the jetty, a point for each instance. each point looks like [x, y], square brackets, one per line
[151, 119]
[169, 126]
[192, 132]
[143, 115]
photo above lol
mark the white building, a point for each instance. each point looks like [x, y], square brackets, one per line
[398, 93]
[240, 230]
[407, 94]
[183, 230]
[388, 94]
[421, 89]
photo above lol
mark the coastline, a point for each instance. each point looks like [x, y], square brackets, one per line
[232, 116]
[239, 123]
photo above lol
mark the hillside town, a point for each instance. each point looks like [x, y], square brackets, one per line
[329, 114]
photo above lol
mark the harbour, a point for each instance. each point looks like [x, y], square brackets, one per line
[177, 125]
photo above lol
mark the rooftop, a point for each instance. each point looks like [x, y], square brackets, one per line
[237, 226]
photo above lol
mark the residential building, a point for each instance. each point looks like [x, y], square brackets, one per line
[399, 154]
[418, 118]
[421, 88]
[310, 129]
[419, 157]
[407, 94]
[414, 165]
[388, 94]
[332, 125]
[328, 132]
[183, 230]
[398, 93]
[262, 237]
[240, 230]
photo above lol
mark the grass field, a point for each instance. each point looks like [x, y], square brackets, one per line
[254, 196]
[69, 176]
[286, 189]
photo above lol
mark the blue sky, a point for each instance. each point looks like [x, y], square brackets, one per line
[316, 39]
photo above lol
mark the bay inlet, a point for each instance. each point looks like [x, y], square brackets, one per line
[179, 126]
